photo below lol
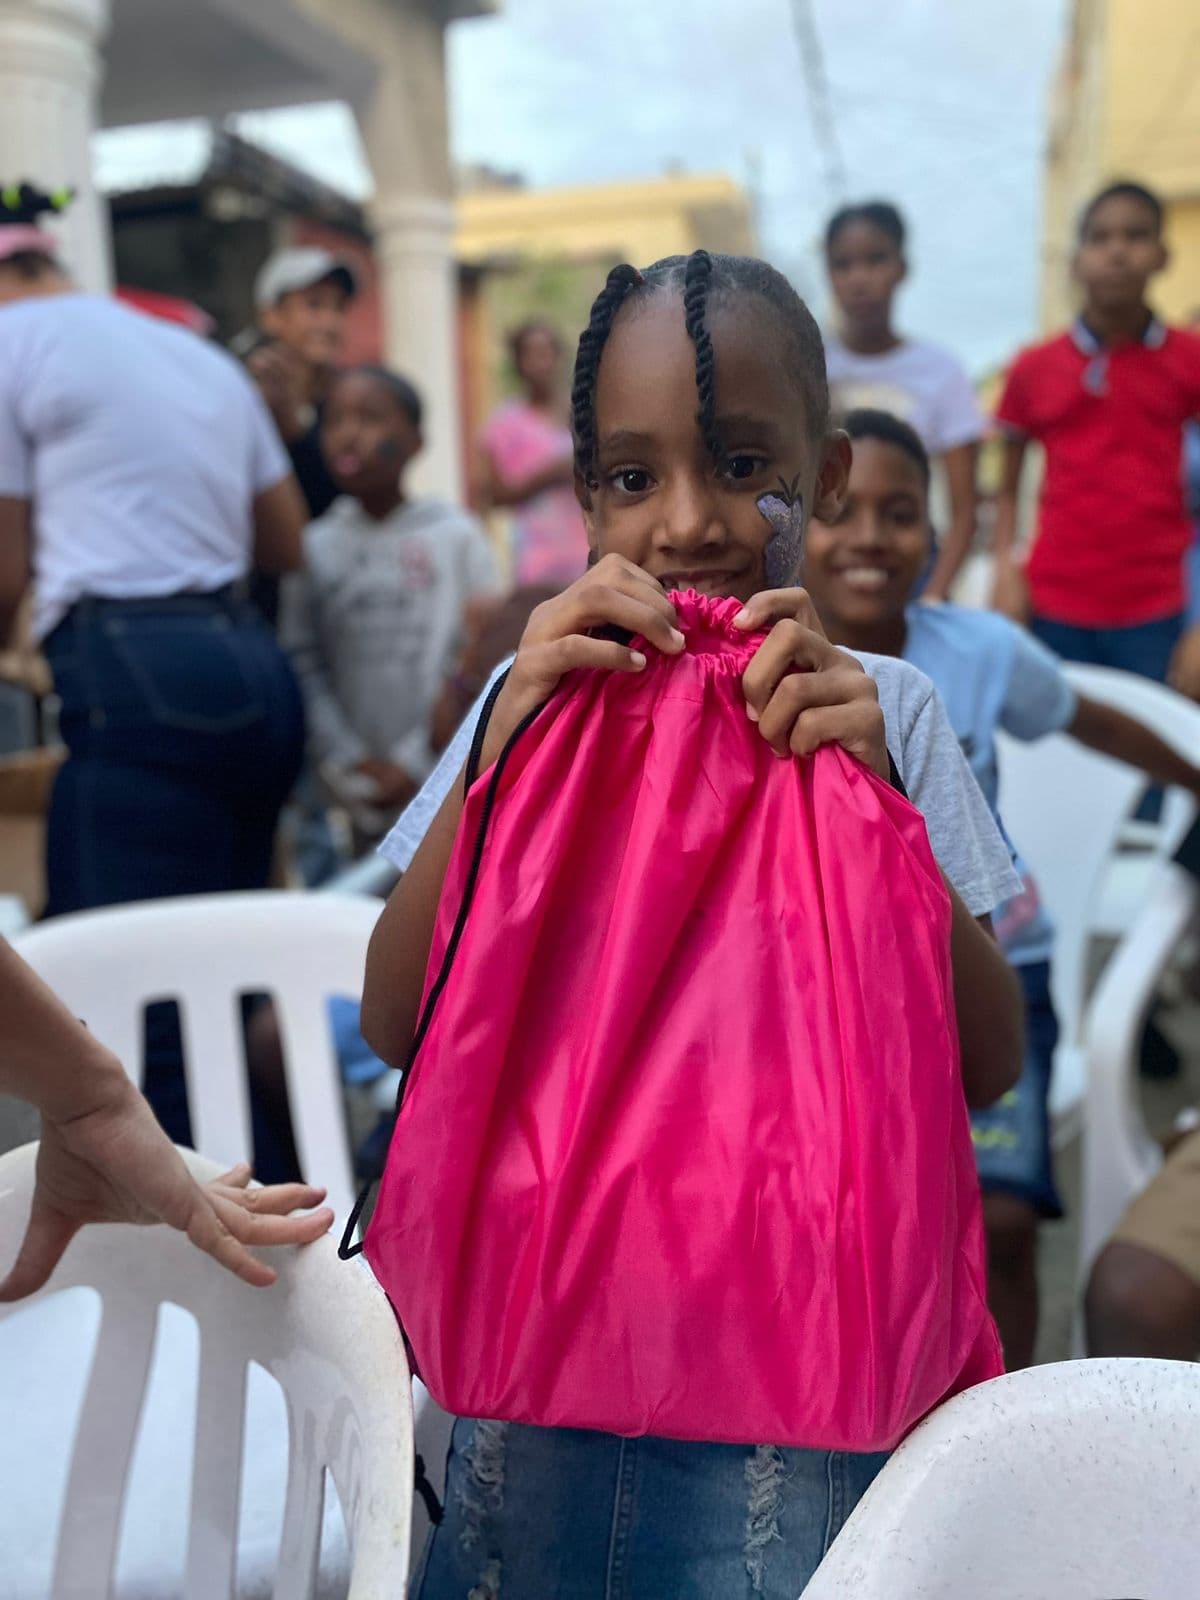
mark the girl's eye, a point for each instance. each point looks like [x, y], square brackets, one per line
[740, 467]
[630, 480]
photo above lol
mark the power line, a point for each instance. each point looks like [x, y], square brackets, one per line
[820, 102]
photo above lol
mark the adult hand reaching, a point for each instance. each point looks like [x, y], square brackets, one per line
[104, 1158]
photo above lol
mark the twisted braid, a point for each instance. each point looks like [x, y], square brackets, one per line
[587, 363]
[696, 278]
[703, 280]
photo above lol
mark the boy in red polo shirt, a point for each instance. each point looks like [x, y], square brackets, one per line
[1104, 581]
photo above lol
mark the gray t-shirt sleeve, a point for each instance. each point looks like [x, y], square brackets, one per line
[402, 843]
[968, 845]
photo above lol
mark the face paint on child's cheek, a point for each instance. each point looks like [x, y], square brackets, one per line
[387, 450]
[783, 511]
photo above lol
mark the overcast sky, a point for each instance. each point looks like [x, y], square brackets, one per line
[939, 105]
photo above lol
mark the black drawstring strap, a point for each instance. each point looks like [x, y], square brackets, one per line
[347, 1250]
[423, 1487]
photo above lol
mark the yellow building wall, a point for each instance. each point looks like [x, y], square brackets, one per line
[544, 253]
[1126, 105]
[638, 222]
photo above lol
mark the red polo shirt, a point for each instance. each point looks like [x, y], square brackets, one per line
[1112, 530]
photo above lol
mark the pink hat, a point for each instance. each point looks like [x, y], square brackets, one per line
[25, 238]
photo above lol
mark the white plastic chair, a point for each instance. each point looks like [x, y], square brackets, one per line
[1078, 1481]
[1141, 844]
[206, 951]
[1119, 1155]
[1065, 808]
[324, 1332]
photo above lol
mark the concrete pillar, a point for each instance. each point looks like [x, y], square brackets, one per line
[406, 135]
[50, 72]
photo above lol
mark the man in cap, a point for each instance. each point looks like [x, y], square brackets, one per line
[301, 297]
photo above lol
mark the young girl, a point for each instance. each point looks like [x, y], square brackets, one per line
[526, 464]
[872, 365]
[699, 385]
[860, 567]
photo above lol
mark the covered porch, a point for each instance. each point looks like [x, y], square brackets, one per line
[70, 67]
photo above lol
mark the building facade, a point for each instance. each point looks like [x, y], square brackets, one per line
[68, 67]
[1126, 104]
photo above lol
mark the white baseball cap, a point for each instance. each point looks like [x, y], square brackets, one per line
[300, 268]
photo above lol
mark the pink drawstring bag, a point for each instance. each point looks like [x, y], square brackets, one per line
[683, 1148]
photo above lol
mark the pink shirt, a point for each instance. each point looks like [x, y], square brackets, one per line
[549, 540]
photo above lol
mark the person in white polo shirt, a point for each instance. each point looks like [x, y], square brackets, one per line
[140, 475]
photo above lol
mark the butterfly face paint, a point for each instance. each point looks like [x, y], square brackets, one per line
[783, 510]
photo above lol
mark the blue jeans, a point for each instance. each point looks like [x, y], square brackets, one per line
[539, 1512]
[185, 733]
[1012, 1138]
[1144, 649]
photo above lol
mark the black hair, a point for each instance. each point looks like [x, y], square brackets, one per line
[23, 203]
[704, 279]
[526, 330]
[400, 389]
[865, 423]
[881, 214]
[1123, 189]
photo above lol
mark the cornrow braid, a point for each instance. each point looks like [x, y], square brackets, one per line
[587, 362]
[696, 277]
[704, 280]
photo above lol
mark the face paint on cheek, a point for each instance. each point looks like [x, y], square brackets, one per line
[387, 450]
[783, 512]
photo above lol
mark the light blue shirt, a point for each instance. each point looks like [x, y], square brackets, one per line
[991, 674]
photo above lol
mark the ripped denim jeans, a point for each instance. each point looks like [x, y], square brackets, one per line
[535, 1513]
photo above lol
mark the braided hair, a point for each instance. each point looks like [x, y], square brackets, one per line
[704, 280]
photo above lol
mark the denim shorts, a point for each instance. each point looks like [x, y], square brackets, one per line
[1012, 1138]
[538, 1512]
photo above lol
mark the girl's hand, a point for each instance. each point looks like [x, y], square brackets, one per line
[802, 691]
[113, 1163]
[557, 640]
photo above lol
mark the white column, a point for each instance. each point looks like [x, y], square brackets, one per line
[414, 244]
[405, 132]
[50, 72]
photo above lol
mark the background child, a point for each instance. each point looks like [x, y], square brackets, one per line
[1104, 581]
[525, 463]
[870, 364]
[860, 569]
[375, 620]
[670, 497]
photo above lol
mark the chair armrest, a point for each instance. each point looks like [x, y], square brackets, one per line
[1119, 1156]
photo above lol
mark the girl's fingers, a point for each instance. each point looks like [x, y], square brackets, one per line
[276, 1199]
[577, 650]
[640, 612]
[858, 728]
[207, 1230]
[270, 1228]
[802, 692]
[788, 646]
[778, 605]
[238, 1177]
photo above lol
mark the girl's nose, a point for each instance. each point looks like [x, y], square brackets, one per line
[691, 517]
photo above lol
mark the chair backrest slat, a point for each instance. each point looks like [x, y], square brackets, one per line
[300, 1541]
[104, 1442]
[205, 952]
[216, 1472]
